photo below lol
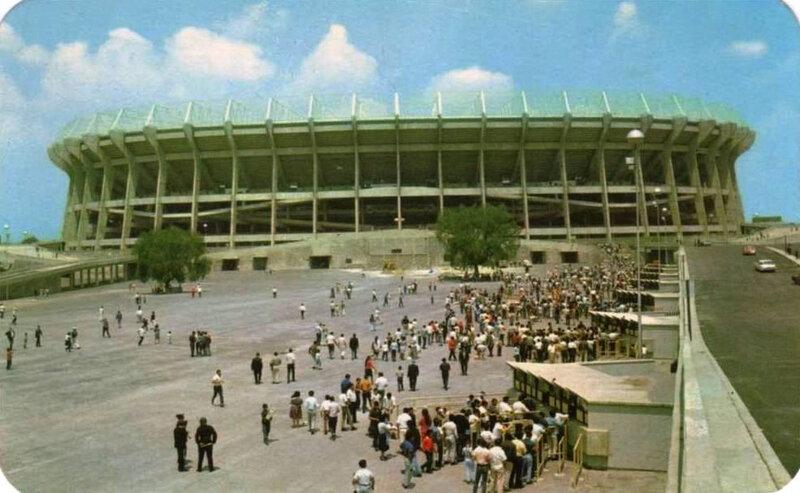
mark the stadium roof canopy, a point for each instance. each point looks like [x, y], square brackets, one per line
[494, 104]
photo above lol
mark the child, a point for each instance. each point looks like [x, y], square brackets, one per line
[469, 465]
[399, 374]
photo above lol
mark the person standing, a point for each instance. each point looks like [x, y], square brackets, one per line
[141, 332]
[181, 436]
[10, 335]
[363, 479]
[106, 333]
[399, 375]
[205, 436]
[290, 359]
[118, 316]
[275, 367]
[311, 405]
[333, 416]
[216, 383]
[409, 451]
[192, 342]
[497, 471]
[266, 422]
[354, 347]
[302, 311]
[444, 367]
[482, 458]
[413, 374]
[38, 336]
[274, 292]
[256, 365]
[9, 356]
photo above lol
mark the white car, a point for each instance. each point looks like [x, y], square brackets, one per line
[765, 265]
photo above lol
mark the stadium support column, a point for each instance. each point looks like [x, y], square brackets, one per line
[439, 174]
[598, 165]
[314, 178]
[481, 157]
[161, 180]
[711, 160]
[356, 167]
[523, 172]
[399, 218]
[88, 190]
[273, 212]
[131, 185]
[105, 193]
[704, 128]
[234, 181]
[188, 130]
[733, 186]
[57, 155]
[725, 167]
[562, 163]
[678, 124]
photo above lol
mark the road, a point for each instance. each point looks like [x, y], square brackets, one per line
[750, 323]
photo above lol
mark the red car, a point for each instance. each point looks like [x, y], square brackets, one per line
[749, 250]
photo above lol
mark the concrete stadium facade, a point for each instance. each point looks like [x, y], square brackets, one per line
[250, 173]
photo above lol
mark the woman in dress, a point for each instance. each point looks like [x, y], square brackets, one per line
[296, 409]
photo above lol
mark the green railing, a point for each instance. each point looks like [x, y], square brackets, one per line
[500, 103]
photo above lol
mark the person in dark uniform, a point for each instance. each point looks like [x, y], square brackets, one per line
[181, 436]
[205, 437]
[444, 367]
[413, 373]
[106, 333]
[257, 365]
[192, 342]
[38, 336]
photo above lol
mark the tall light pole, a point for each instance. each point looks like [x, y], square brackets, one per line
[635, 138]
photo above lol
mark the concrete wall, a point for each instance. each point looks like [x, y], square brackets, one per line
[638, 436]
[407, 250]
[661, 341]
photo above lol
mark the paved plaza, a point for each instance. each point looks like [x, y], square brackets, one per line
[101, 418]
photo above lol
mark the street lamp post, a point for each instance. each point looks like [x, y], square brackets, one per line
[635, 138]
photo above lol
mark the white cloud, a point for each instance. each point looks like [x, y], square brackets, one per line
[626, 20]
[201, 52]
[472, 78]
[253, 21]
[749, 49]
[11, 42]
[336, 65]
[125, 63]
[625, 15]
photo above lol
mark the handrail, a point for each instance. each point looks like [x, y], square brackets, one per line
[577, 457]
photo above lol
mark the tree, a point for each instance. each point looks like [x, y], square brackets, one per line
[30, 240]
[171, 254]
[475, 236]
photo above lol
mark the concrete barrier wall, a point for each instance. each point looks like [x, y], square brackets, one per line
[641, 434]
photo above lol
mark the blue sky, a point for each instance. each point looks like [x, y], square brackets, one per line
[61, 59]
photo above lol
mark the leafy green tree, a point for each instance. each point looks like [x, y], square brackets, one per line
[475, 236]
[171, 254]
[30, 240]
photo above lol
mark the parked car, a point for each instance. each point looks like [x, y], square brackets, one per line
[749, 250]
[765, 265]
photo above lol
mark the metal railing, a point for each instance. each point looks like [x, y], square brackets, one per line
[577, 457]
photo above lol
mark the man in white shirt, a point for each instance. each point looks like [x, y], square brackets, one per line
[450, 431]
[363, 479]
[402, 422]
[311, 405]
[216, 383]
[290, 359]
[504, 408]
[381, 384]
[497, 473]
[344, 405]
[333, 416]
[519, 407]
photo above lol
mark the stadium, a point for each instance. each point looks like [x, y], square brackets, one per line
[262, 172]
